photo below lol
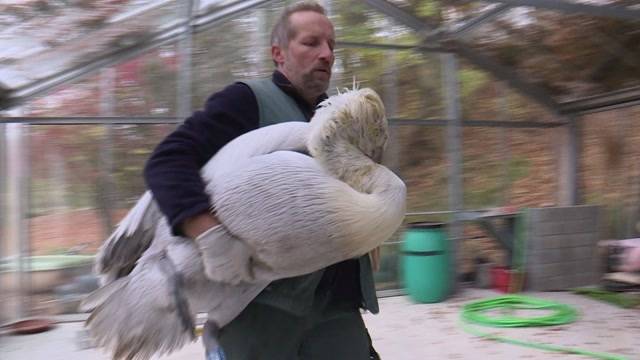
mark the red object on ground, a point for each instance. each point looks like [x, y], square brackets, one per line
[29, 326]
[500, 278]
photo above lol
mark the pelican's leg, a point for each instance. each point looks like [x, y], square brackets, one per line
[213, 350]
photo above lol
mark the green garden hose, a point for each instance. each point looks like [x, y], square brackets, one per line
[476, 312]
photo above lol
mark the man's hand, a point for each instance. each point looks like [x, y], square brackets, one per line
[226, 259]
[196, 225]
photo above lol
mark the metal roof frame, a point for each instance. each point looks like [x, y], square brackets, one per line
[612, 11]
[198, 23]
[159, 120]
[476, 58]
[603, 102]
[465, 28]
[454, 41]
[448, 41]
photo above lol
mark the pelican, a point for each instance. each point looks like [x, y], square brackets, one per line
[292, 198]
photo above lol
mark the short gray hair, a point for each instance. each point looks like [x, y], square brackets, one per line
[283, 31]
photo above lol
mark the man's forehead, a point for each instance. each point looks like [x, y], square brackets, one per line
[310, 22]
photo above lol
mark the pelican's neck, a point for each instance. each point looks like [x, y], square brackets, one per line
[348, 164]
[345, 131]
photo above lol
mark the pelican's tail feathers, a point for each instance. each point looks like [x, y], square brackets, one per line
[138, 316]
[119, 253]
[100, 296]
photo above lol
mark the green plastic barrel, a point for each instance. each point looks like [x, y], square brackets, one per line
[426, 262]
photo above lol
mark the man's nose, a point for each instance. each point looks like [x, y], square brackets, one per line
[326, 52]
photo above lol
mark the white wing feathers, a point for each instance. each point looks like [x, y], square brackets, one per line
[136, 316]
[133, 236]
[289, 214]
[120, 252]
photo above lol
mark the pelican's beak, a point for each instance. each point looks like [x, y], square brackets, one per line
[377, 157]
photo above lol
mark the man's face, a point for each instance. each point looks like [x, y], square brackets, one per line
[308, 58]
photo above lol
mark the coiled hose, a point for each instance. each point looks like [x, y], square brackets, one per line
[476, 312]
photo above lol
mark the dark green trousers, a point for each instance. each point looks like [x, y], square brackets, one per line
[328, 332]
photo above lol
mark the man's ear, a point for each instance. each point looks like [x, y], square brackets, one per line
[277, 54]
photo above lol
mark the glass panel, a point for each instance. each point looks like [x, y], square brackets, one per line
[83, 180]
[569, 56]
[409, 83]
[609, 169]
[478, 247]
[388, 276]
[509, 167]
[10, 220]
[232, 50]
[484, 98]
[143, 86]
[45, 39]
[206, 6]
[422, 164]
[358, 22]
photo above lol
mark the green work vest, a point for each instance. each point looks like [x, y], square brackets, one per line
[296, 294]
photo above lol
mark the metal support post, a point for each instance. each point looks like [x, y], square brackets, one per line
[569, 150]
[454, 154]
[185, 47]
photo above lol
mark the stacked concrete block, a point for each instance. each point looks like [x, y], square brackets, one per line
[560, 247]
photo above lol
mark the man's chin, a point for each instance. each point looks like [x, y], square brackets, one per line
[318, 85]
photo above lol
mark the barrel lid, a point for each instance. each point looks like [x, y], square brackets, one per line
[425, 225]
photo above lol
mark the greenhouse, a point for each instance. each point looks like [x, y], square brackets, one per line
[511, 122]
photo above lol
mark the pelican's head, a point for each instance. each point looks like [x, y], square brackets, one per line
[356, 117]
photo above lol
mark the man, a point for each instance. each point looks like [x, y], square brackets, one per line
[314, 316]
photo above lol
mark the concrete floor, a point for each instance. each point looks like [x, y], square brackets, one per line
[407, 331]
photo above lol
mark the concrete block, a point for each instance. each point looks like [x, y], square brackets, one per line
[574, 240]
[554, 242]
[586, 279]
[577, 227]
[549, 214]
[560, 254]
[570, 281]
[534, 283]
[572, 267]
[549, 228]
[532, 242]
[533, 215]
[584, 253]
[587, 239]
[589, 225]
[554, 283]
[552, 269]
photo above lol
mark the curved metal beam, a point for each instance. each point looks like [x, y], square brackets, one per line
[612, 11]
[171, 34]
[476, 58]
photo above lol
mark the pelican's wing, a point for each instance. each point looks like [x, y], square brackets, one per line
[300, 219]
[137, 316]
[120, 252]
[286, 136]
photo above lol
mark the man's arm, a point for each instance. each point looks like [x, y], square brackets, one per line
[172, 173]
[193, 226]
